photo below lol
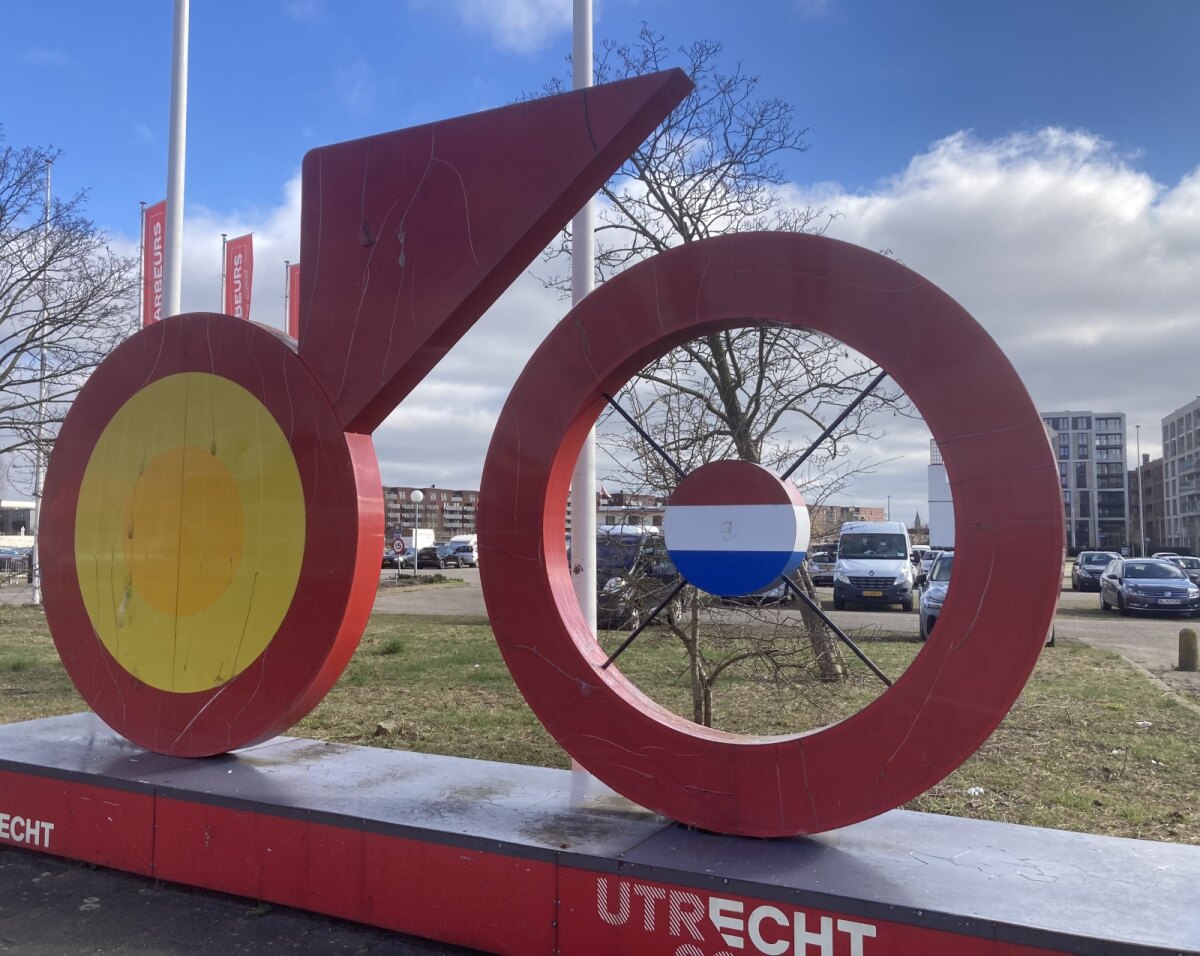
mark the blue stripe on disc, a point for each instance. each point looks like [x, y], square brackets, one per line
[732, 573]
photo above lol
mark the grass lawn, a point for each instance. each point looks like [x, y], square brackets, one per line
[1090, 745]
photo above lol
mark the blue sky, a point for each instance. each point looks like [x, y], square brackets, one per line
[1036, 158]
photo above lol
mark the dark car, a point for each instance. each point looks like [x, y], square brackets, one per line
[634, 575]
[1146, 584]
[1088, 566]
[438, 556]
[1189, 566]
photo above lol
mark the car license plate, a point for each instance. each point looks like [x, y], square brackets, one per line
[1169, 601]
[880, 594]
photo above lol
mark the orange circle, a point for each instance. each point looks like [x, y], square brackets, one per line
[185, 530]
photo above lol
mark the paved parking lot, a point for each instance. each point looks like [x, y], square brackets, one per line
[1151, 643]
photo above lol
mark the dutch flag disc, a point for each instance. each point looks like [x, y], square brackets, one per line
[734, 528]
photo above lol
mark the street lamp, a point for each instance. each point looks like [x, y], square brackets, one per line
[416, 497]
[889, 508]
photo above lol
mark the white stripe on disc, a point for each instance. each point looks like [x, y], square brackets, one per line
[736, 528]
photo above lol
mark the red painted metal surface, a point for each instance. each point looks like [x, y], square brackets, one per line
[107, 827]
[408, 237]
[500, 903]
[1006, 496]
[341, 535]
[606, 913]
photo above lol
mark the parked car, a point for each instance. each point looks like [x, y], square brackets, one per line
[820, 566]
[1146, 584]
[1088, 566]
[778, 593]
[1166, 554]
[634, 574]
[933, 592]
[392, 560]
[438, 556]
[1189, 566]
[468, 555]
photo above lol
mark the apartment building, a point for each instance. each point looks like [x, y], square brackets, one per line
[1092, 462]
[1147, 508]
[1181, 478]
[448, 511]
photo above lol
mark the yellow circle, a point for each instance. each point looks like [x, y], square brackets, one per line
[183, 566]
[189, 532]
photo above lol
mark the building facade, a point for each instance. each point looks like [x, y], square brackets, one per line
[1181, 478]
[1090, 448]
[447, 511]
[1147, 512]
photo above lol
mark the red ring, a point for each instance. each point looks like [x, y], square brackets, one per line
[1008, 527]
[338, 574]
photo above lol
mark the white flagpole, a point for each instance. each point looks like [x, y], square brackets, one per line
[287, 291]
[224, 243]
[173, 274]
[583, 480]
[38, 469]
[141, 265]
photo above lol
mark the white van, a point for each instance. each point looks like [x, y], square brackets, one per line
[873, 565]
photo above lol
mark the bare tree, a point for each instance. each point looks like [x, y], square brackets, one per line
[65, 301]
[760, 394]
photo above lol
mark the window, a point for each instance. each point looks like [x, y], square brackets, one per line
[1081, 475]
[1083, 422]
[1064, 445]
[1058, 424]
[1108, 423]
[1082, 445]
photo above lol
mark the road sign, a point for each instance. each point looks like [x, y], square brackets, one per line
[399, 546]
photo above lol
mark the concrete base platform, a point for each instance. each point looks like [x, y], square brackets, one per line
[526, 860]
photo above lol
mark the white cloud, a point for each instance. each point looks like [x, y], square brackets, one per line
[41, 56]
[303, 10]
[518, 25]
[355, 86]
[1079, 265]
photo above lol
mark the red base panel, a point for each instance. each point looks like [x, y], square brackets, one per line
[526, 860]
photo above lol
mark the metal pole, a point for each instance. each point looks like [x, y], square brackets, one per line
[176, 150]
[287, 289]
[583, 253]
[416, 496]
[35, 557]
[141, 297]
[1141, 496]
[224, 243]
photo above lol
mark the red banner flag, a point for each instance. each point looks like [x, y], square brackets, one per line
[239, 275]
[154, 238]
[293, 310]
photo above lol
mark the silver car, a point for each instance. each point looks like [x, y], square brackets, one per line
[933, 595]
[1144, 584]
[820, 566]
